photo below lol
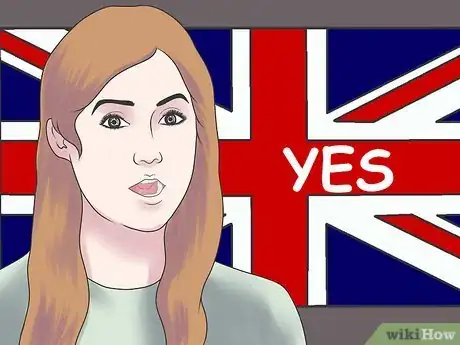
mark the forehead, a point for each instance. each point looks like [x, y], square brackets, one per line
[153, 79]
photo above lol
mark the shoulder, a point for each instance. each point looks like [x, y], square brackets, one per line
[14, 297]
[261, 307]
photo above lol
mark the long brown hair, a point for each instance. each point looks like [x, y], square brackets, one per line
[98, 48]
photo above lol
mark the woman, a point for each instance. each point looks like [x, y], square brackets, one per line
[128, 207]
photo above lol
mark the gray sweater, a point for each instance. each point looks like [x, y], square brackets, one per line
[241, 309]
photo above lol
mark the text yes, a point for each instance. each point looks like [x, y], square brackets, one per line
[303, 171]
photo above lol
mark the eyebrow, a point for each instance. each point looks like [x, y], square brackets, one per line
[113, 101]
[170, 98]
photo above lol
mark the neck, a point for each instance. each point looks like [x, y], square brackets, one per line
[118, 257]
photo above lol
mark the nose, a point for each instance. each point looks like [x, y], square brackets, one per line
[147, 157]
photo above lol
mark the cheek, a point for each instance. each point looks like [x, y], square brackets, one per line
[101, 157]
[179, 156]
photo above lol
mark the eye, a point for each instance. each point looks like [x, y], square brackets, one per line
[113, 121]
[172, 118]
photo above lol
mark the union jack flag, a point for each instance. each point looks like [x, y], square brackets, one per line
[394, 90]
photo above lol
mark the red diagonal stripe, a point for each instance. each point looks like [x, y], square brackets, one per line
[425, 231]
[405, 94]
[23, 50]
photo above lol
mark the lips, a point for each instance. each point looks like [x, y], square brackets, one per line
[148, 188]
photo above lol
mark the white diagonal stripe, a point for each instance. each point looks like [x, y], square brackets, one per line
[397, 126]
[354, 215]
[26, 67]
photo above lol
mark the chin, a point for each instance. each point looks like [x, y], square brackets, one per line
[147, 229]
[144, 227]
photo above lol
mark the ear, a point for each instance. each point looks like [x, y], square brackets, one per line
[61, 147]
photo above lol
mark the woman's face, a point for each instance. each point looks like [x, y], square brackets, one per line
[138, 141]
